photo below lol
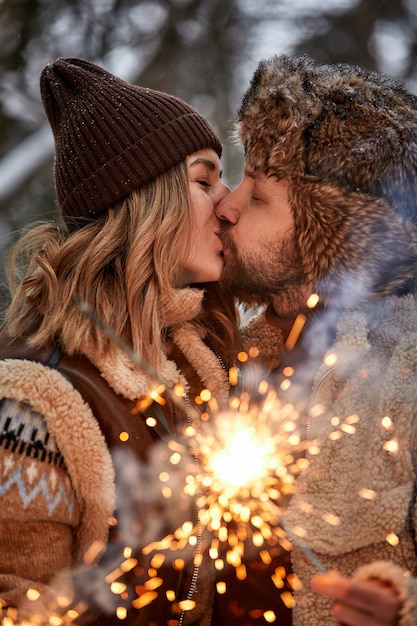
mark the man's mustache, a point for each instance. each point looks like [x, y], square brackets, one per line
[225, 233]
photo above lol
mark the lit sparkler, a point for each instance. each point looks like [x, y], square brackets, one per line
[239, 466]
[248, 461]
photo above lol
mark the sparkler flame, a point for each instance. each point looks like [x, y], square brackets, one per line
[249, 457]
[230, 464]
[239, 467]
[248, 460]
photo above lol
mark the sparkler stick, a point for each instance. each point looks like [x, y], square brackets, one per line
[309, 552]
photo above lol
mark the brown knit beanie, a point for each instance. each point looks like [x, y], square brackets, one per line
[112, 137]
[346, 140]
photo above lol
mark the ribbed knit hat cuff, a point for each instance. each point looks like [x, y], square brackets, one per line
[187, 134]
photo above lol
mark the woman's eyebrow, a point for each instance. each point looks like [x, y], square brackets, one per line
[209, 164]
[201, 160]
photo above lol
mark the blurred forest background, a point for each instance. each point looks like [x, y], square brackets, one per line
[203, 51]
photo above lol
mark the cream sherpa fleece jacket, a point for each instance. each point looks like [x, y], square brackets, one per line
[355, 502]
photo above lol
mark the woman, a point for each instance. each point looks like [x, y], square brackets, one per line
[137, 176]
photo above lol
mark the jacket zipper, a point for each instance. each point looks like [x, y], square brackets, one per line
[196, 566]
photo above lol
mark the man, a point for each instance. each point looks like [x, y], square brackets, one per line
[328, 206]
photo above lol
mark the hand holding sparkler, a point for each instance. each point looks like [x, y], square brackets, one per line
[359, 602]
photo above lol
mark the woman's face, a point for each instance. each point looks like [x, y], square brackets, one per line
[202, 260]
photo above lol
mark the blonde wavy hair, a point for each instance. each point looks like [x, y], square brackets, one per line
[121, 265]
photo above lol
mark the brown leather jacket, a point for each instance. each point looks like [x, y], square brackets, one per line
[116, 414]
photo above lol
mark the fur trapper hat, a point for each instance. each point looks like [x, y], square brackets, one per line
[346, 140]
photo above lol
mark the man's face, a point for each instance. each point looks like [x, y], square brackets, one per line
[261, 255]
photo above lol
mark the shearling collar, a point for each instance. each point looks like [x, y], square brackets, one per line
[184, 305]
[126, 379]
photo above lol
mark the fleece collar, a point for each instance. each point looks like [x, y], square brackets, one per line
[130, 382]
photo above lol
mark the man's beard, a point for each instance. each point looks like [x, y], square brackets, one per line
[271, 272]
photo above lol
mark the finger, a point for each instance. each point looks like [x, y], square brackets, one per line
[331, 584]
[348, 616]
[366, 596]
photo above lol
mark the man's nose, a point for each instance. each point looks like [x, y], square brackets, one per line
[226, 210]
